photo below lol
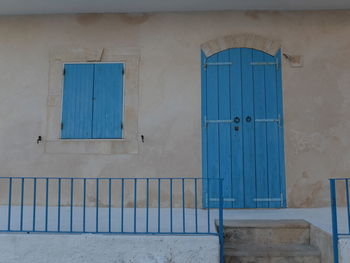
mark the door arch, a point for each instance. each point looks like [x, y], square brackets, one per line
[242, 128]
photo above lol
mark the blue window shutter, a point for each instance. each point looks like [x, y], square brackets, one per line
[77, 101]
[108, 101]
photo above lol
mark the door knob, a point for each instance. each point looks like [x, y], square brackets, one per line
[248, 119]
[236, 119]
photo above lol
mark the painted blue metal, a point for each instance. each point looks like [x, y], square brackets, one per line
[47, 203]
[171, 204]
[92, 101]
[107, 101]
[10, 204]
[147, 203]
[183, 206]
[22, 202]
[69, 200]
[158, 205]
[67, 197]
[335, 235]
[135, 203]
[77, 101]
[109, 203]
[97, 196]
[84, 204]
[242, 128]
[59, 205]
[34, 203]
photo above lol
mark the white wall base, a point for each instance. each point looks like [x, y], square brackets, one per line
[89, 248]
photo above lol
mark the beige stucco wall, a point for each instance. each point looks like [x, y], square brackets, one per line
[316, 96]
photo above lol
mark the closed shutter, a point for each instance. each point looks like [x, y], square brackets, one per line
[77, 102]
[108, 101]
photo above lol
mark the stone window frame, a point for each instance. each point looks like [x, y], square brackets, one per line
[126, 145]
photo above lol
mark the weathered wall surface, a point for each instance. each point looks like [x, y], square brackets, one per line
[108, 248]
[316, 96]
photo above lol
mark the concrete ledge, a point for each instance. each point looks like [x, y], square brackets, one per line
[88, 248]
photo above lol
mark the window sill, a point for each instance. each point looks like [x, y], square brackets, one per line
[89, 146]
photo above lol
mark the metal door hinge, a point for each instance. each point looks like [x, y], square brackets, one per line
[121, 126]
[276, 63]
[278, 120]
[123, 71]
[224, 199]
[270, 200]
[64, 71]
[61, 125]
[205, 65]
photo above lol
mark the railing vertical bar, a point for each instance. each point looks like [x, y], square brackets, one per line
[97, 184]
[22, 200]
[84, 204]
[347, 202]
[171, 205]
[334, 220]
[47, 204]
[109, 203]
[71, 204]
[9, 205]
[158, 205]
[195, 205]
[34, 204]
[221, 217]
[59, 206]
[147, 203]
[122, 207]
[208, 204]
[135, 203]
[183, 206]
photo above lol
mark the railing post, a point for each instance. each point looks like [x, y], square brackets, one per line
[221, 218]
[334, 220]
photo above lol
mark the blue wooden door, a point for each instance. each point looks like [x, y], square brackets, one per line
[242, 129]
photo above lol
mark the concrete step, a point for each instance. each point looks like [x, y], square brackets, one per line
[248, 253]
[266, 232]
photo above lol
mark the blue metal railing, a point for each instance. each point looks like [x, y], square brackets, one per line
[339, 190]
[111, 206]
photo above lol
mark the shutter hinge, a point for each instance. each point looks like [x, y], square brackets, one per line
[64, 71]
[121, 126]
[123, 72]
[61, 125]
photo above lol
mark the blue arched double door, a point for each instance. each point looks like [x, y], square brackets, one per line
[242, 128]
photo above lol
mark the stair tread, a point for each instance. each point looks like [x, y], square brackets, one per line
[251, 223]
[274, 250]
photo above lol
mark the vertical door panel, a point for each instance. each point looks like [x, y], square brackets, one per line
[260, 102]
[213, 128]
[108, 101]
[280, 129]
[77, 101]
[236, 136]
[272, 133]
[204, 131]
[248, 128]
[225, 128]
